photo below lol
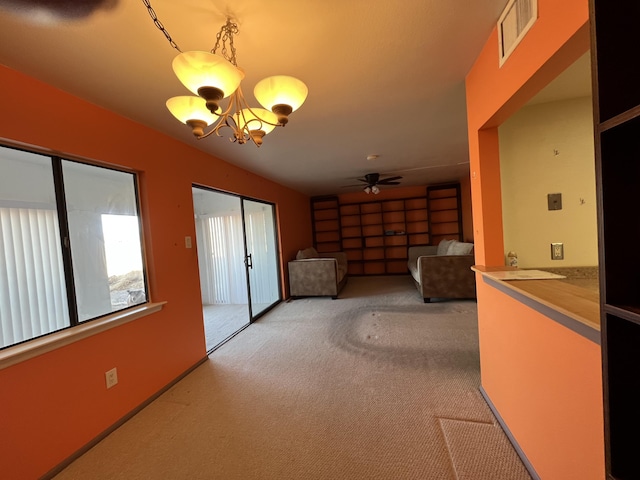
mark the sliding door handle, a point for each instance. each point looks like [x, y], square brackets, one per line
[249, 261]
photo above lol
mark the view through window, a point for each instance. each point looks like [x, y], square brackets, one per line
[95, 230]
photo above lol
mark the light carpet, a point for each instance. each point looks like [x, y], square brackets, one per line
[374, 385]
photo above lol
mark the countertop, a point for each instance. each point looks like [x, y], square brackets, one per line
[577, 298]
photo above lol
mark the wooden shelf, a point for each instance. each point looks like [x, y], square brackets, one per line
[325, 221]
[364, 229]
[445, 214]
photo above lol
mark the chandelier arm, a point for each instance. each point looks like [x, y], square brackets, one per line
[205, 135]
[215, 130]
[262, 120]
[221, 124]
[238, 102]
[243, 104]
[227, 112]
[158, 23]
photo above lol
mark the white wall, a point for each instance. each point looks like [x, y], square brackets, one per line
[548, 148]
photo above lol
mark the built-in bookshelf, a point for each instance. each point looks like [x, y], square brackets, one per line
[445, 214]
[376, 235]
[325, 221]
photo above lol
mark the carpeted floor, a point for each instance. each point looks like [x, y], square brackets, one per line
[374, 385]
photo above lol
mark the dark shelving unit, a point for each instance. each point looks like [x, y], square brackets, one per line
[376, 234]
[325, 222]
[616, 93]
[445, 214]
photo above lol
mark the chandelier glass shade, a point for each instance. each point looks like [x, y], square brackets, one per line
[188, 107]
[196, 69]
[192, 111]
[215, 76]
[281, 93]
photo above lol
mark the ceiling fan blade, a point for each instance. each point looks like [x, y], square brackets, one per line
[389, 183]
[387, 180]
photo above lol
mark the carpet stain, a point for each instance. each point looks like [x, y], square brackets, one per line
[438, 336]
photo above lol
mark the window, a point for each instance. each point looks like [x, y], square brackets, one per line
[70, 245]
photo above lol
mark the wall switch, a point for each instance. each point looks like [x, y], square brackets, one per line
[554, 201]
[111, 377]
[187, 242]
[557, 251]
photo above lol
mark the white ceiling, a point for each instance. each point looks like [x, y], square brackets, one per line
[384, 78]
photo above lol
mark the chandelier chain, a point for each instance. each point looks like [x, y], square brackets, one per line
[226, 33]
[158, 23]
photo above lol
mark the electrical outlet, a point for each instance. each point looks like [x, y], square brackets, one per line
[557, 251]
[111, 377]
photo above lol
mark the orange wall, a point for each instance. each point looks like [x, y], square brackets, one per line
[544, 380]
[54, 404]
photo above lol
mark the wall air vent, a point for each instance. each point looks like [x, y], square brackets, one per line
[514, 23]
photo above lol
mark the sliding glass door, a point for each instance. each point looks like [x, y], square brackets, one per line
[262, 255]
[237, 259]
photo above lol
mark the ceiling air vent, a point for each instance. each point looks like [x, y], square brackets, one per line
[514, 23]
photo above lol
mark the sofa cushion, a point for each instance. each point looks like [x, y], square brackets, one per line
[414, 270]
[459, 248]
[443, 246]
[307, 253]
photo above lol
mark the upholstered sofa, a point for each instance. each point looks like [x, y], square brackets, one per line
[443, 271]
[317, 274]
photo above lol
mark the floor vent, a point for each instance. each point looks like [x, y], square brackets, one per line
[514, 23]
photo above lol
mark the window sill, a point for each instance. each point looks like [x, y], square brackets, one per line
[38, 346]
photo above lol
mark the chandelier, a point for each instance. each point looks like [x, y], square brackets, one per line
[214, 76]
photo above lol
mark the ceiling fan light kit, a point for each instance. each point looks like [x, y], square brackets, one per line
[215, 76]
[372, 180]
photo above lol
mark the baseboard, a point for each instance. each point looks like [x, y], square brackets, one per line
[104, 434]
[516, 446]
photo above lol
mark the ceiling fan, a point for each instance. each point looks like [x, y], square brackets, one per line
[371, 181]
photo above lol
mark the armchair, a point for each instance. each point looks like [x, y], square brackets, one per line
[317, 274]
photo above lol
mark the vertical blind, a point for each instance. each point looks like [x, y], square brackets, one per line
[32, 287]
[224, 279]
[223, 274]
[261, 244]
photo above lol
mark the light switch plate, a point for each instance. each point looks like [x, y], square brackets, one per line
[554, 201]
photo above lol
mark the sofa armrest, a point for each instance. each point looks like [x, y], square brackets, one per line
[447, 276]
[313, 276]
[417, 251]
[341, 257]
